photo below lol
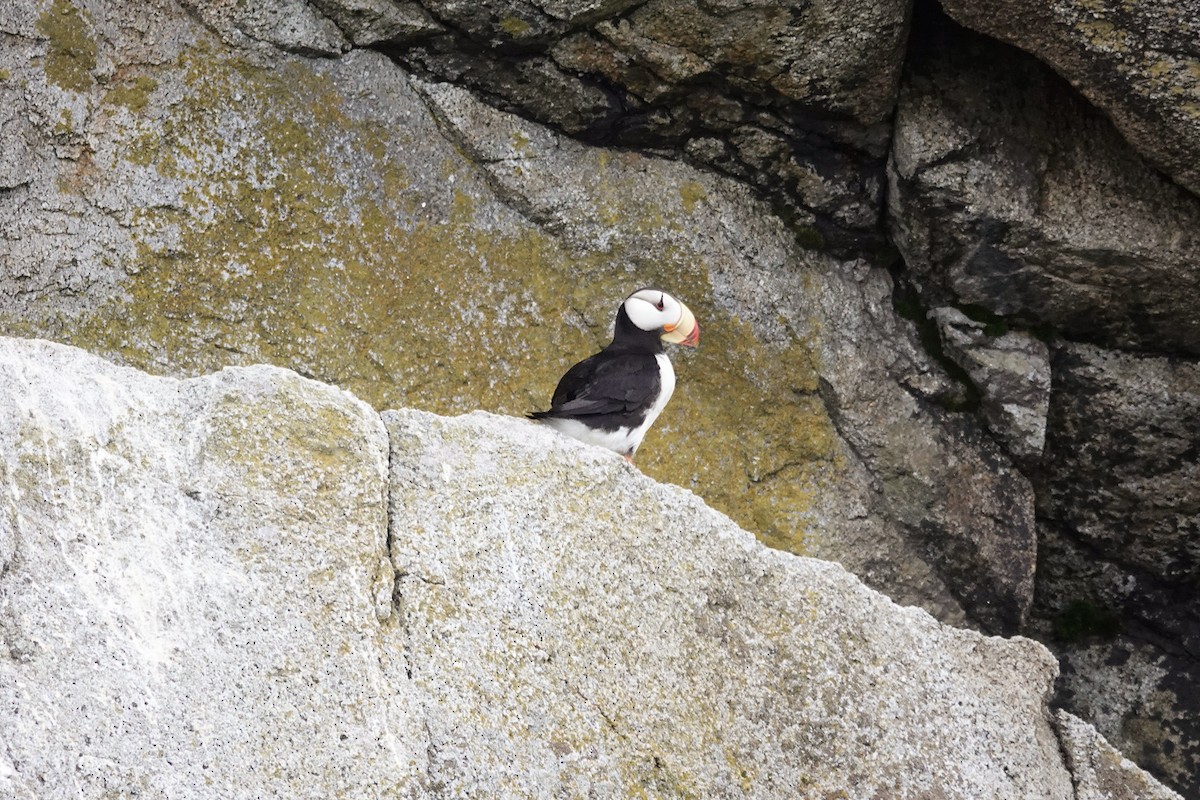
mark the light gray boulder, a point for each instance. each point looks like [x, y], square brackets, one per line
[191, 203]
[205, 589]
[761, 674]
[192, 575]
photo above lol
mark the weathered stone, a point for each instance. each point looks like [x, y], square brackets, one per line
[1143, 695]
[1011, 370]
[1137, 61]
[1119, 503]
[293, 25]
[15, 132]
[405, 241]
[192, 575]
[1121, 465]
[182, 200]
[1098, 770]
[366, 22]
[930, 477]
[800, 94]
[523, 625]
[1012, 197]
[1009, 193]
[199, 578]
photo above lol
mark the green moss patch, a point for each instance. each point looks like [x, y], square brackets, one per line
[71, 56]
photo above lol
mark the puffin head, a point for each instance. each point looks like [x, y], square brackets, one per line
[655, 311]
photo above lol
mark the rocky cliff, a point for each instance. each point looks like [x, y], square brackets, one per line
[945, 273]
[251, 584]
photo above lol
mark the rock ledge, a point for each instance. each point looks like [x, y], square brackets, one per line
[247, 584]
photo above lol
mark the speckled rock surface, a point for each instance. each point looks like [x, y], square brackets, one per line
[1118, 564]
[1121, 423]
[1137, 61]
[1023, 208]
[793, 97]
[189, 202]
[191, 574]
[1010, 194]
[946, 523]
[188, 184]
[1011, 370]
[1098, 770]
[760, 665]
[201, 577]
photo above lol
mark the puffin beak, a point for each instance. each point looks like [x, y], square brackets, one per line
[685, 332]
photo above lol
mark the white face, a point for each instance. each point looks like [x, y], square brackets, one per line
[651, 309]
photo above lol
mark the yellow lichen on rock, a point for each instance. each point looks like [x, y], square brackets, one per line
[301, 238]
[71, 55]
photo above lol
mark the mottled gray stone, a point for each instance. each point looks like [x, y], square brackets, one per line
[202, 577]
[1139, 62]
[1119, 504]
[16, 133]
[1121, 465]
[193, 576]
[1012, 373]
[1099, 771]
[1139, 694]
[926, 505]
[367, 22]
[799, 95]
[292, 25]
[534, 571]
[1008, 192]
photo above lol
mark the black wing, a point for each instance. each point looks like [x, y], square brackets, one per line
[605, 384]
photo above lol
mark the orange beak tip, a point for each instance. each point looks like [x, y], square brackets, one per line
[693, 338]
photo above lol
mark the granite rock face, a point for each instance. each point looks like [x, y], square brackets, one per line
[202, 576]
[191, 578]
[792, 97]
[1010, 194]
[342, 187]
[946, 523]
[192, 199]
[1024, 217]
[1138, 62]
[1123, 424]
[1118, 564]
[1011, 370]
[1098, 771]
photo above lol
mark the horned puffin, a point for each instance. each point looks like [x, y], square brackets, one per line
[612, 398]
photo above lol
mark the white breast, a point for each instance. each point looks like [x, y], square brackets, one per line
[624, 440]
[666, 377]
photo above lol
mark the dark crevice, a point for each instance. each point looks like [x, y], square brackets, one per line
[1064, 754]
[800, 142]
[908, 304]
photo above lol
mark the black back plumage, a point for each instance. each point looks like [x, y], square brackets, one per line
[615, 387]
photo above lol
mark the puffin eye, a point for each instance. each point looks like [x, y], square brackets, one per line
[659, 304]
